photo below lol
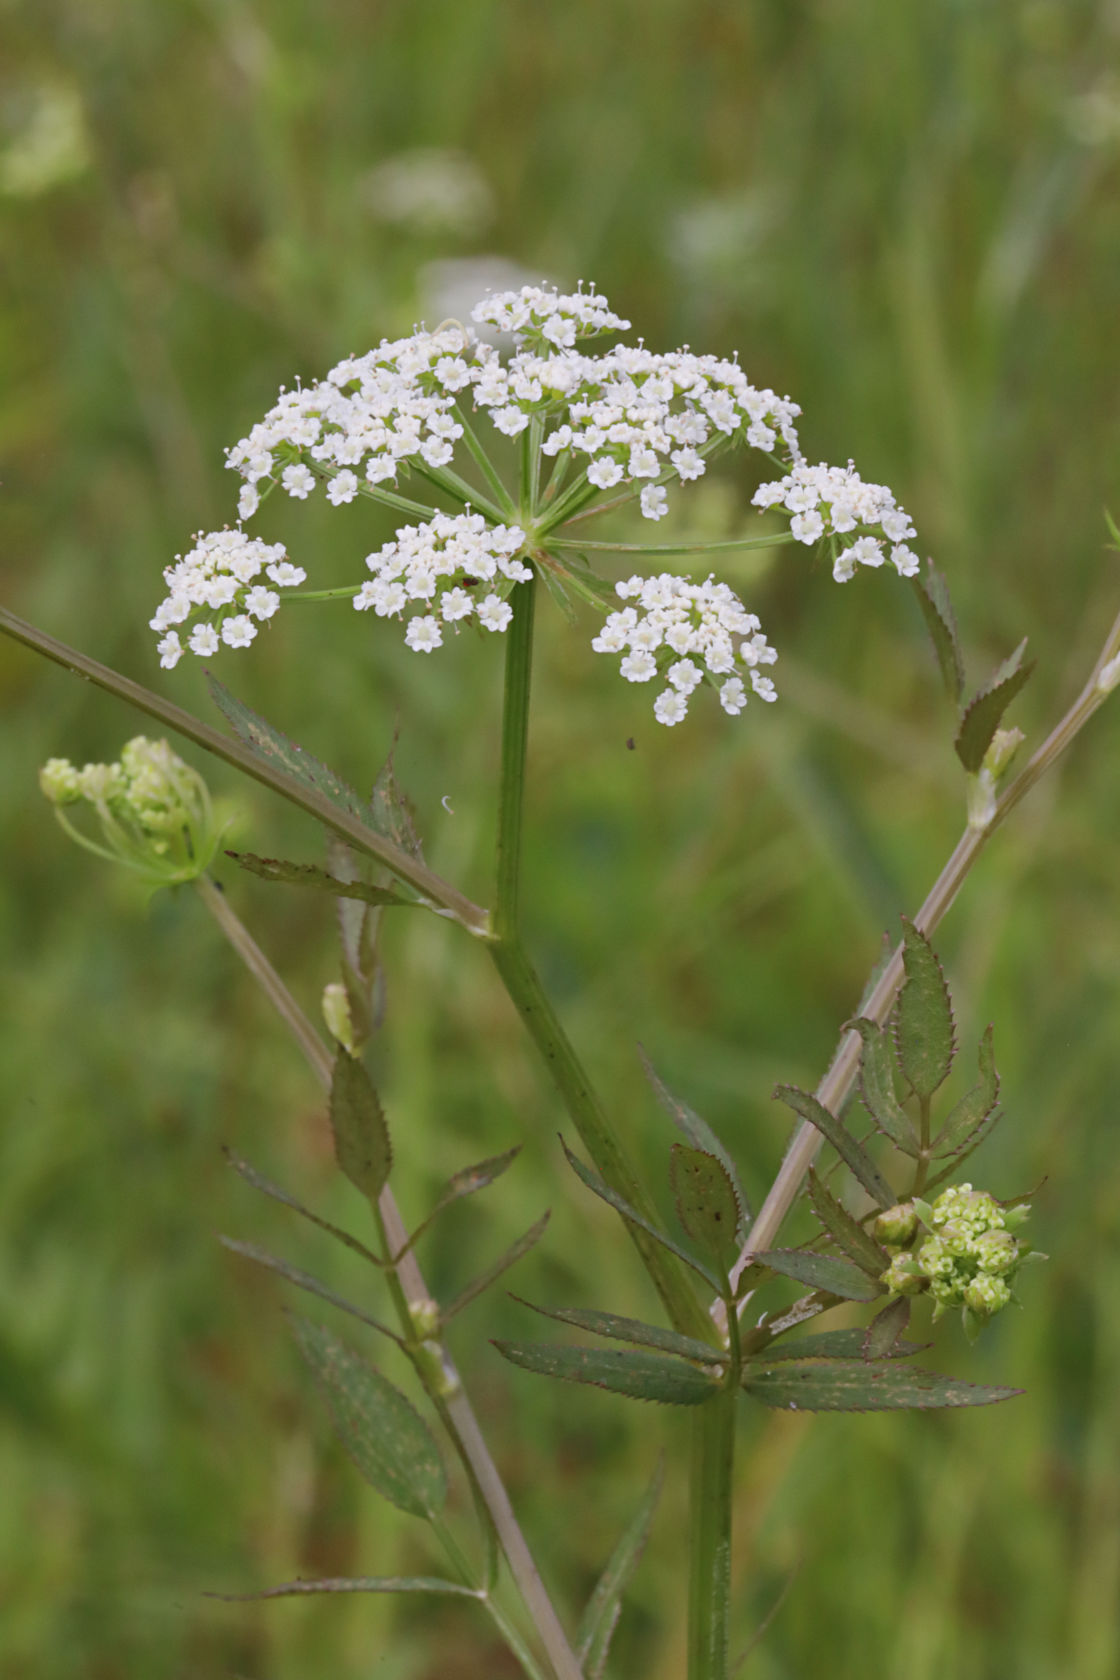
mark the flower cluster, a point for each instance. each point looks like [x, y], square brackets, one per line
[442, 566]
[964, 1253]
[219, 578]
[154, 811]
[546, 319]
[685, 634]
[831, 502]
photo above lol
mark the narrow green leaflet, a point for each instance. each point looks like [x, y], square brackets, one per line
[701, 1136]
[640, 1376]
[857, 1386]
[287, 755]
[268, 1188]
[847, 1232]
[310, 875]
[974, 1107]
[984, 713]
[464, 1183]
[391, 811]
[832, 1344]
[361, 1137]
[706, 1203]
[821, 1271]
[600, 1619]
[876, 1084]
[305, 1280]
[358, 928]
[933, 598]
[353, 1584]
[388, 1440]
[510, 1258]
[602, 1189]
[632, 1330]
[853, 1154]
[924, 1037]
[884, 1332]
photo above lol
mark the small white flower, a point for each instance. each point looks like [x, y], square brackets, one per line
[643, 462]
[261, 602]
[423, 635]
[285, 575]
[688, 463]
[905, 561]
[494, 613]
[807, 527]
[298, 481]
[248, 501]
[654, 501]
[604, 472]
[733, 696]
[343, 487]
[203, 640]
[170, 650]
[456, 604]
[238, 631]
[684, 675]
[763, 687]
[638, 667]
[670, 707]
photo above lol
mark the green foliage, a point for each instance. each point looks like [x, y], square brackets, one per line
[471, 1291]
[984, 713]
[310, 875]
[847, 1232]
[876, 1084]
[701, 1136]
[834, 1344]
[272, 744]
[304, 1280]
[603, 1190]
[707, 1205]
[466, 1182]
[860, 1386]
[924, 1033]
[852, 1153]
[633, 1330]
[937, 610]
[821, 1271]
[639, 1376]
[599, 1620]
[976, 1106]
[361, 1136]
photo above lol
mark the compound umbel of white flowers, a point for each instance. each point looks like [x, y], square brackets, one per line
[594, 429]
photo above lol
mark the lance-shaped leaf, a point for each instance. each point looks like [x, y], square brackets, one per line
[857, 1386]
[632, 1330]
[832, 1344]
[310, 875]
[358, 927]
[886, 1329]
[602, 1189]
[822, 1271]
[510, 1258]
[876, 1084]
[707, 1205]
[600, 1619]
[286, 754]
[983, 714]
[701, 1136]
[267, 1188]
[388, 1440]
[354, 1584]
[937, 610]
[391, 810]
[305, 1280]
[975, 1106]
[464, 1183]
[361, 1137]
[924, 1038]
[847, 1232]
[629, 1371]
[853, 1154]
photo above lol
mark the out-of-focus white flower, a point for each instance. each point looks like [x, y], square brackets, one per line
[50, 145]
[430, 191]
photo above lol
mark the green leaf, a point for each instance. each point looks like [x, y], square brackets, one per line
[391, 811]
[358, 927]
[602, 1189]
[984, 713]
[923, 1020]
[937, 610]
[847, 1232]
[832, 1344]
[600, 1619]
[267, 1188]
[822, 1271]
[853, 1154]
[857, 1386]
[876, 1084]
[707, 1205]
[510, 1258]
[464, 1183]
[286, 754]
[353, 1584]
[632, 1330]
[701, 1136]
[640, 1376]
[310, 875]
[966, 1118]
[304, 1280]
[886, 1329]
[361, 1137]
[389, 1442]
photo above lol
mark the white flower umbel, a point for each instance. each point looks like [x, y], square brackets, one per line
[687, 634]
[442, 573]
[833, 502]
[216, 584]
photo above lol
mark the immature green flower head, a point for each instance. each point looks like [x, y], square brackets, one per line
[966, 1255]
[153, 811]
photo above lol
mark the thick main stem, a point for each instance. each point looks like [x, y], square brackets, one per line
[711, 1495]
[470, 1439]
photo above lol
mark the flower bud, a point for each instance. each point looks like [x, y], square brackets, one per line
[60, 782]
[897, 1225]
[425, 1317]
[336, 1013]
[902, 1276]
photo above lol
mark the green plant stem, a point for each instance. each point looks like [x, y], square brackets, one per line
[658, 549]
[410, 1285]
[408, 868]
[461, 1567]
[837, 1083]
[528, 995]
[711, 1488]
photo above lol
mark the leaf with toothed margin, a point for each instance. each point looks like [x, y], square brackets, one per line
[271, 743]
[833, 1344]
[937, 610]
[305, 1280]
[822, 1271]
[628, 1371]
[361, 1137]
[310, 875]
[466, 1182]
[512, 1255]
[602, 1189]
[876, 1084]
[984, 713]
[701, 1136]
[707, 1206]
[846, 1232]
[966, 1118]
[600, 1619]
[277, 1194]
[632, 1330]
[924, 1034]
[886, 1330]
[852, 1153]
[857, 1386]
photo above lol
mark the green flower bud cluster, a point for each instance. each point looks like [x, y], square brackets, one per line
[962, 1251]
[153, 811]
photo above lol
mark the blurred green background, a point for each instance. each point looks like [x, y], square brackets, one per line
[906, 218]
